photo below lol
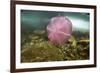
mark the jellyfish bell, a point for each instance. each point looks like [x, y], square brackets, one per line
[59, 29]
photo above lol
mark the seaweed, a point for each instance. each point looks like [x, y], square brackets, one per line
[35, 47]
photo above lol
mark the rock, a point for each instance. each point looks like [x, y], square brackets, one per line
[39, 32]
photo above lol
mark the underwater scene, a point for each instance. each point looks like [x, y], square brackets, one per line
[54, 36]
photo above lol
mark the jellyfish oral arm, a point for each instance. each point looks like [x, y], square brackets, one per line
[66, 34]
[59, 32]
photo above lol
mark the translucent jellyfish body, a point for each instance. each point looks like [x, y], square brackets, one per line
[59, 29]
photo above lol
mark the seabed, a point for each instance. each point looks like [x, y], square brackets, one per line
[35, 47]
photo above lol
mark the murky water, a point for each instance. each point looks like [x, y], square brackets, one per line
[35, 46]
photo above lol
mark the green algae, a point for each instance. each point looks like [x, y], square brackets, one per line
[35, 47]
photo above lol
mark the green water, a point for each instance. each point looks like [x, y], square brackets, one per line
[31, 20]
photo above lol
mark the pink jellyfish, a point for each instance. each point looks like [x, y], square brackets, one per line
[59, 29]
